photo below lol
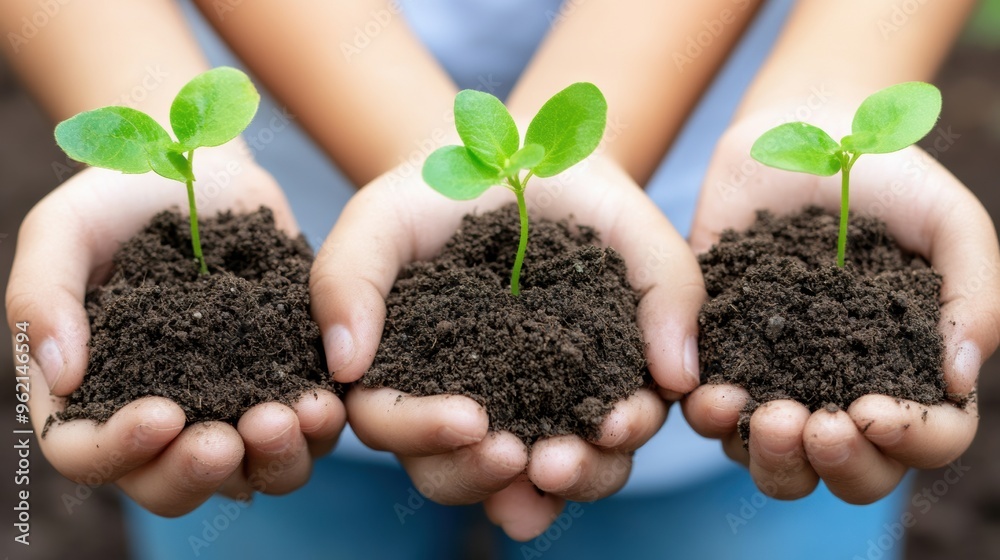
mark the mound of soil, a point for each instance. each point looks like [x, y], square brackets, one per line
[784, 322]
[216, 345]
[551, 361]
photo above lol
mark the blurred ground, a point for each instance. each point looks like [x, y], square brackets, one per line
[93, 530]
[964, 522]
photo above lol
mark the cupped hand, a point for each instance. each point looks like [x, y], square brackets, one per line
[861, 453]
[444, 441]
[65, 244]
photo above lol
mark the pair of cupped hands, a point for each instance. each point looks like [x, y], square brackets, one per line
[67, 241]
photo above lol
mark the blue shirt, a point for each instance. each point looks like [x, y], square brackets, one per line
[485, 44]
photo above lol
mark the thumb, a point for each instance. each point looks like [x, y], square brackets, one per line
[352, 274]
[665, 271]
[46, 290]
[965, 252]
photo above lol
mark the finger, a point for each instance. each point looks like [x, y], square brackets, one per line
[322, 417]
[522, 511]
[735, 449]
[379, 231]
[632, 422]
[920, 436]
[713, 411]
[965, 253]
[852, 467]
[277, 457]
[388, 420]
[191, 469]
[569, 467]
[945, 222]
[471, 473]
[46, 290]
[668, 395]
[778, 462]
[352, 274]
[92, 453]
[664, 270]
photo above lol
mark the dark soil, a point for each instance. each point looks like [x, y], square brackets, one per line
[549, 362]
[784, 322]
[216, 345]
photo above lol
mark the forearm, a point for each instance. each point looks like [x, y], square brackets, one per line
[362, 84]
[83, 55]
[652, 60]
[852, 48]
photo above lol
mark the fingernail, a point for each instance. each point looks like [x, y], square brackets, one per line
[277, 443]
[887, 439]
[830, 455]
[691, 359]
[499, 469]
[450, 436]
[145, 437]
[49, 358]
[339, 348]
[968, 360]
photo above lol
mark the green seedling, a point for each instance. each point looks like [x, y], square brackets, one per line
[888, 121]
[210, 110]
[566, 130]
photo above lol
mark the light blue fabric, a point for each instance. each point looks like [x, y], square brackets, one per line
[684, 500]
[358, 510]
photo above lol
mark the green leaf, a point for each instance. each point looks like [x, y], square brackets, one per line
[525, 158]
[569, 127]
[485, 126]
[798, 146]
[123, 139]
[172, 165]
[454, 172]
[213, 108]
[894, 118]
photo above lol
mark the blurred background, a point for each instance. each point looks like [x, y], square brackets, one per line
[964, 523]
